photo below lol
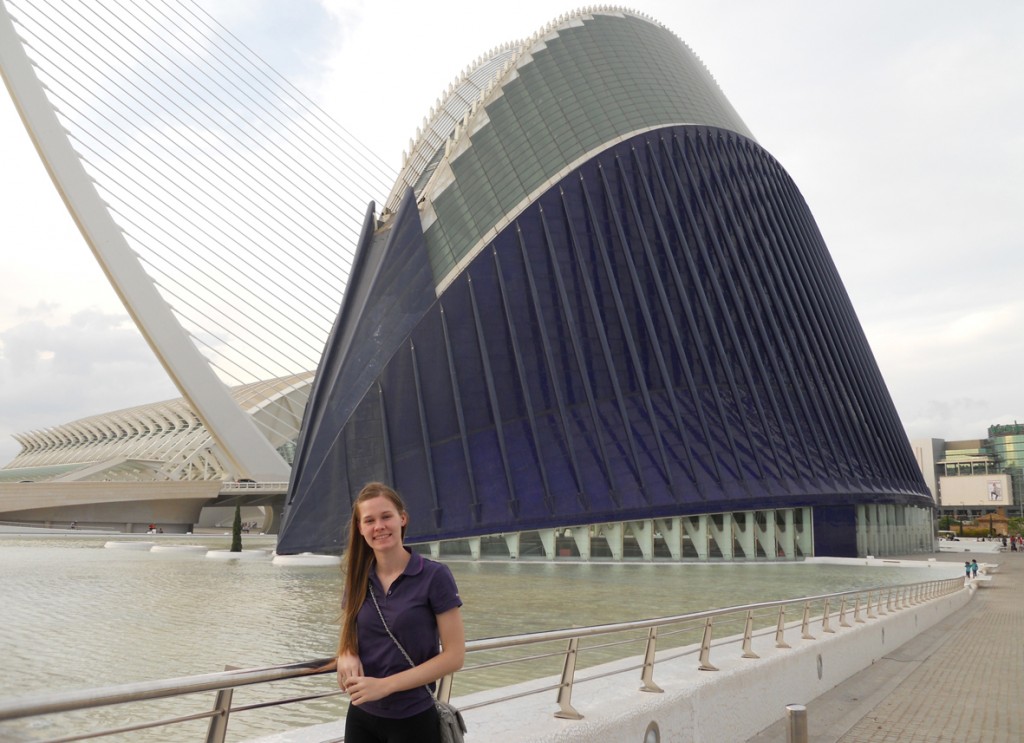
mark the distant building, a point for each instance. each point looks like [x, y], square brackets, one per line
[972, 478]
[156, 442]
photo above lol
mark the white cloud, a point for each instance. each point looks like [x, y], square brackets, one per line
[53, 372]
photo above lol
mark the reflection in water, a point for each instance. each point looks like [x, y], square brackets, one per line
[76, 615]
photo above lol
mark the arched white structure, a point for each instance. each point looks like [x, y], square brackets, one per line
[222, 204]
[246, 451]
[160, 441]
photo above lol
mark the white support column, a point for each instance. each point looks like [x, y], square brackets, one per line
[745, 534]
[788, 535]
[474, 547]
[805, 535]
[927, 529]
[613, 535]
[512, 542]
[862, 531]
[901, 531]
[897, 530]
[698, 534]
[905, 530]
[644, 533]
[547, 539]
[871, 512]
[722, 535]
[879, 530]
[890, 529]
[672, 532]
[910, 516]
[581, 535]
[883, 530]
[435, 549]
[914, 543]
[765, 535]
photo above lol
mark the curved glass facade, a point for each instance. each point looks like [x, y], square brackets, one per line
[576, 89]
[657, 332]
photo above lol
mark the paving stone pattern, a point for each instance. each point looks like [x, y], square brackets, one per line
[962, 681]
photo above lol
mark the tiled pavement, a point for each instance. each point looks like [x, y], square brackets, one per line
[962, 681]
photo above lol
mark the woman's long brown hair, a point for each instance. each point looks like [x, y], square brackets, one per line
[357, 561]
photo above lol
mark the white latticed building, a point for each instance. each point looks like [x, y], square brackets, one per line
[160, 441]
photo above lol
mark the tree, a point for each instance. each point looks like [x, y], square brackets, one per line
[236, 531]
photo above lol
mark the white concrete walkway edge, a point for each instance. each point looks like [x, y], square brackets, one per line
[731, 704]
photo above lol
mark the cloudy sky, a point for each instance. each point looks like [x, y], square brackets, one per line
[899, 121]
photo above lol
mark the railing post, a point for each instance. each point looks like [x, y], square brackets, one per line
[805, 628]
[748, 632]
[705, 648]
[879, 607]
[565, 708]
[647, 676]
[842, 613]
[444, 688]
[826, 625]
[780, 629]
[219, 722]
[888, 601]
[857, 618]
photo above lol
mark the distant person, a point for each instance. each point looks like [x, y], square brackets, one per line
[967, 569]
[74, 524]
[974, 568]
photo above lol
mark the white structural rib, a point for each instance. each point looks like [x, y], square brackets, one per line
[240, 442]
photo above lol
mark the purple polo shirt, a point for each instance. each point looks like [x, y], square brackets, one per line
[423, 590]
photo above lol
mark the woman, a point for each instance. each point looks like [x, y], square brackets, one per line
[419, 601]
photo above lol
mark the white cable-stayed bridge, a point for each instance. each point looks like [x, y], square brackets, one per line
[223, 205]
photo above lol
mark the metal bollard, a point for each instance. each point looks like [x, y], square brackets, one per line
[796, 723]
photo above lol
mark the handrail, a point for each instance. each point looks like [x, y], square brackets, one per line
[881, 599]
[269, 485]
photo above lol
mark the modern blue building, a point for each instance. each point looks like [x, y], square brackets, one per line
[594, 309]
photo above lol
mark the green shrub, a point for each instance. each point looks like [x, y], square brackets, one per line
[236, 531]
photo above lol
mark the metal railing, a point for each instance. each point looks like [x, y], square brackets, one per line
[681, 635]
[231, 485]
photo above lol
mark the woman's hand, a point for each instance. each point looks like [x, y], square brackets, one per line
[366, 689]
[348, 668]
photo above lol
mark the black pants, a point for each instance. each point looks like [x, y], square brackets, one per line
[362, 727]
